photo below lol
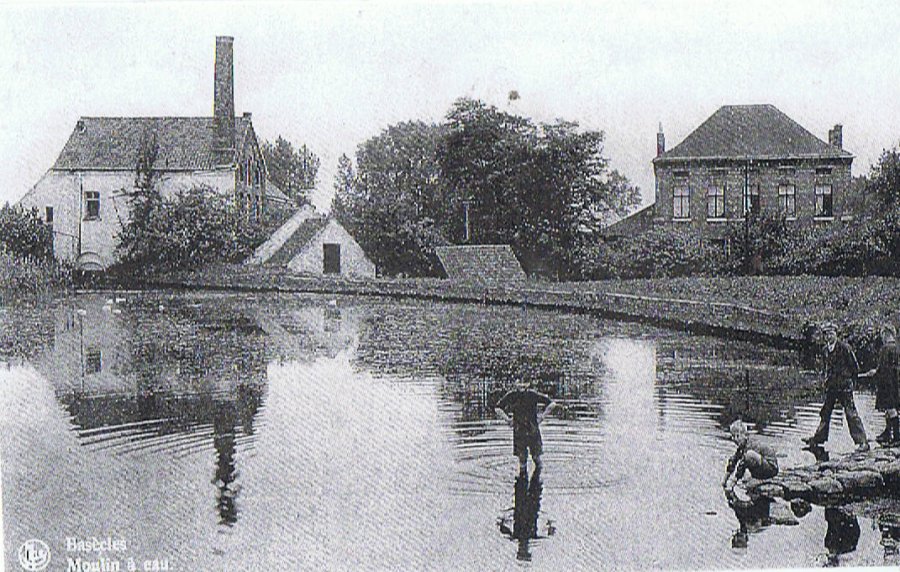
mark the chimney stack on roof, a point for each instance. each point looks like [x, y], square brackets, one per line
[660, 141]
[223, 102]
[836, 136]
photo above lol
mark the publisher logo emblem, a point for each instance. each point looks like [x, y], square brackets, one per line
[34, 555]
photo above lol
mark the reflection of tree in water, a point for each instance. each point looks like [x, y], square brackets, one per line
[187, 370]
[481, 352]
[225, 439]
[757, 384]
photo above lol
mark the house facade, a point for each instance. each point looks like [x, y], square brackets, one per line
[747, 159]
[85, 195]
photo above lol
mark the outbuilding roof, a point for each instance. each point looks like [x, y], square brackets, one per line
[114, 143]
[751, 132]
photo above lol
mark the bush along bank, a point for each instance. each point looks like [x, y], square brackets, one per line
[29, 276]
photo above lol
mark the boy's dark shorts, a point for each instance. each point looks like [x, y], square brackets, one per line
[765, 470]
[522, 442]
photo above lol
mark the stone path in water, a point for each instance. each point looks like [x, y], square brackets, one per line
[854, 476]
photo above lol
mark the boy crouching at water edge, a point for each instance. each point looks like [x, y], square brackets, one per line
[751, 455]
[523, 403]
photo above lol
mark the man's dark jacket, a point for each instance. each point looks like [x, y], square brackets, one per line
[841, 368]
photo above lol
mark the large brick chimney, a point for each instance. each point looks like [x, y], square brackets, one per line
[836, 136]
[223, 101]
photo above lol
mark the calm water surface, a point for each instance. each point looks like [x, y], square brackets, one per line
[285, 432]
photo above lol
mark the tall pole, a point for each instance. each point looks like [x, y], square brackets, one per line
[466, 214]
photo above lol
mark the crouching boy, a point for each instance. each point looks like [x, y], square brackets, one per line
[758, 458]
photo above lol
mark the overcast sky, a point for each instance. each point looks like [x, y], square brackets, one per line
[332, 76]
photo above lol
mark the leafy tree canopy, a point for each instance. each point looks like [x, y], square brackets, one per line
[294, 171]
[545, 189]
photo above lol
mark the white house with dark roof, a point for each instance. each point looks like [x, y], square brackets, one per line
[84, 195]
[745, 159]
[311, 243]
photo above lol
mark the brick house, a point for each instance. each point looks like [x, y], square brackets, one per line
[84, 195]
[745, 158]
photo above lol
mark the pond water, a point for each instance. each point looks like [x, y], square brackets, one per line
[285, 432]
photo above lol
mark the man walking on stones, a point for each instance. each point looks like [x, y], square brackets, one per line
[841, 369]
[887, 376]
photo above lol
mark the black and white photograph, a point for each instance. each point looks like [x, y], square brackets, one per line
[449, 286]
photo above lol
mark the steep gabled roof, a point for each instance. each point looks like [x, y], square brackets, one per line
[275, 193]
[751, 132]
[113, 143]
[493, 264]
[305, 232]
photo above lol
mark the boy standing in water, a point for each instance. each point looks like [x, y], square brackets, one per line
[523, 403]
[887, 376]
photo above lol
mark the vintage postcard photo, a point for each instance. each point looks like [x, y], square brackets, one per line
[451, 286]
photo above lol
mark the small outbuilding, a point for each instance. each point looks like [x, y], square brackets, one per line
[311, 243]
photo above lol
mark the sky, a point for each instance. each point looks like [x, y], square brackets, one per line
[332, 75]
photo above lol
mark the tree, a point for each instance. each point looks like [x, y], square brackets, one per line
[546, 189]
[344, 188]
[192, 228]
[294, 172]
[24, 235]
[397, 201]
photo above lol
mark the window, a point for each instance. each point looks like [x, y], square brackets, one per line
[681, 206]
[751, 199]
[256, 207]
[258, 175]
[715, 202]
[249, 170]
[824, 201]
[93, 361]
[48, 215]
[91, 205]
[787, 200]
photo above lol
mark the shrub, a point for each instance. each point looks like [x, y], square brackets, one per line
[191, 229]
[30, 275]
[659, 252]
[24, 234]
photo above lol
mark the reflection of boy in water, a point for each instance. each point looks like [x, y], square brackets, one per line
[525, 513]
[752, 516]
[523, 403]
[842, 534]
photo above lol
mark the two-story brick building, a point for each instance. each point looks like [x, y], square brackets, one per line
[745, 159]
[85, 195]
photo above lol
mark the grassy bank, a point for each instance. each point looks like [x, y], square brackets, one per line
[777, 308]
[694, 314]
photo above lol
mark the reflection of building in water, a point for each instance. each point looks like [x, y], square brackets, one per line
[158, 382]
[305, 332]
